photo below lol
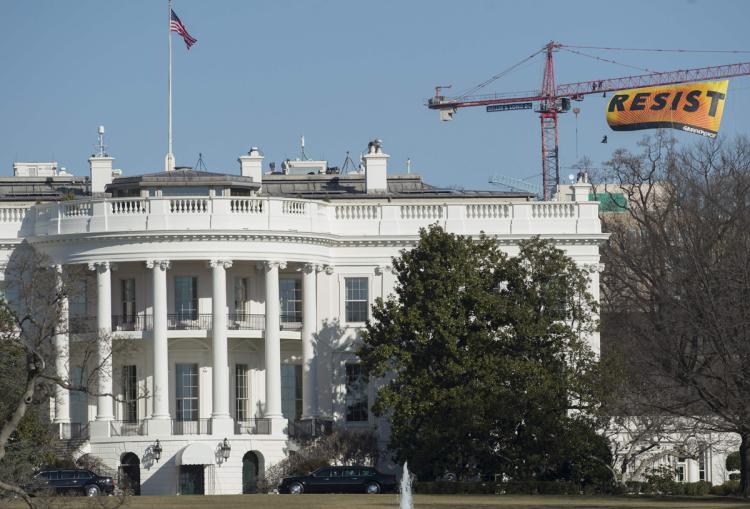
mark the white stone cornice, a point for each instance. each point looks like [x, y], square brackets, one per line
[223, 262]
[161, 264]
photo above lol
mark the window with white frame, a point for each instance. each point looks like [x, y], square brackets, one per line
[356, 299]
[680, 469]
[356, 394]
[186, 391]
[242, 399]
[290, 294]
[291, 391]
[127, 295]
[240, 295]
[186, 297]
[702, 466]
[130, 393]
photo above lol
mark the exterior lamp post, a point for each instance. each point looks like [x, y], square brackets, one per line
[225, 449]
[156, 450]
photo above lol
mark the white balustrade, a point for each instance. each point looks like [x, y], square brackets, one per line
[357, 212]
[188, 205]
[246, 205]
[283, 214]
[487, 211]
[553, 210]
[12, 214]
[431, 212]
[297, 208]
[128, 206]
[76, 209]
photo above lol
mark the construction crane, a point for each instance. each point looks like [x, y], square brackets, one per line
[554, 99]
[517, 184]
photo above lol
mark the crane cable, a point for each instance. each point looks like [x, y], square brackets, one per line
[659, 50]
[567, 48]
[471, 91]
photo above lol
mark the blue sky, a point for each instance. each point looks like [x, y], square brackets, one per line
[340, 72]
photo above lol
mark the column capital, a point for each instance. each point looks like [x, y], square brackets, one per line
[269, 264]
[161, 264]
[99, 266]
[309, 268]
[328, 269]
[220, 262]
[381, 269]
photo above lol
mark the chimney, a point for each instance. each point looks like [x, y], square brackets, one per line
[251, 165]
[582, 187]
[100, 165]
[376, 165]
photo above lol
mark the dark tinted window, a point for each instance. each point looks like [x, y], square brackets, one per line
[324, 472]
[367, 471]
[351, 472]
[335, 472]
[42, 475]
[52, 476]
[68, 474]
[84, 474]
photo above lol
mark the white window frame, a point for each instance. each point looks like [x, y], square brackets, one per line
[342, 297]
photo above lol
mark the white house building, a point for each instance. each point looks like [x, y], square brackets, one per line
[239, 299]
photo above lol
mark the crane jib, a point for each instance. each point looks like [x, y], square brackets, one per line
[509, 107]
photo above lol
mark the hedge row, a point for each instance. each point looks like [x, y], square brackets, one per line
[510, 487]
[699, 488]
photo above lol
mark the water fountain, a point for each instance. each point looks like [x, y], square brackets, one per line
[405, 501]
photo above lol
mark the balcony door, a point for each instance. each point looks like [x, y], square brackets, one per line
[186, 297]
[186, 392]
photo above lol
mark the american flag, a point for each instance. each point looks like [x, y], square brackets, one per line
[175, 25]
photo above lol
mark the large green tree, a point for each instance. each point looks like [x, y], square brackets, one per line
[485, 360]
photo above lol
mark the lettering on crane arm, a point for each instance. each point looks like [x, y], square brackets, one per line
[690, 107]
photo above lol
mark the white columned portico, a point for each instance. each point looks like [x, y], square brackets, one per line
[309, 320]
[62, 354]
[160, 419]
[104, 407]
[273, 346]
[221, 421]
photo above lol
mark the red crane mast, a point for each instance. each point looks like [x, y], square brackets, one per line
[553, 99]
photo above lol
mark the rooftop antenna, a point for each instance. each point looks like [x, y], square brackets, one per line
[302, 147]
[348, 164]
[100, 146]
[200, 165]
[408, 165]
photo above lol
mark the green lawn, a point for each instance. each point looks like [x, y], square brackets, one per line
[420, 502]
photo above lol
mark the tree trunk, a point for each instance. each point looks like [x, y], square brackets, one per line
[745, 465]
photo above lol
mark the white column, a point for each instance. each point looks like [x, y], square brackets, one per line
[62, 354]
[273, 340]
[309, 321]
[104, 340]
[220, 368]
[161, 346]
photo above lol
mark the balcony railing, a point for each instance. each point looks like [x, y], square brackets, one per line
[188, 321]
[132, 323]
[178, 321]
[197, 427]
[128, 428]
[309, 428]
[255, 426]
[246, 321]
[78, 324]
[71, 430]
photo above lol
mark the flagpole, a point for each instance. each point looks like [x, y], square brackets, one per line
[169, 161]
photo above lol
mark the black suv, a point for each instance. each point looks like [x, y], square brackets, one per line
[353, 479]
[56, 480]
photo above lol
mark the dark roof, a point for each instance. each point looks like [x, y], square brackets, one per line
[182, 177]
[42, 188]
[332, 186]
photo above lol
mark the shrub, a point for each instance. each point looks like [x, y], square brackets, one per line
[660, 480]
[338, 448]
[733, 461]
[728, 488]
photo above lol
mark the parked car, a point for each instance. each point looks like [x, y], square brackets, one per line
[63, 481]
[352, 479]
